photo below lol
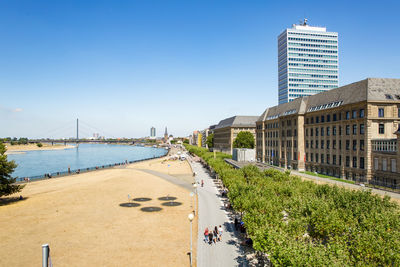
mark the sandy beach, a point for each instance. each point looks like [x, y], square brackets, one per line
[17, 149]
[81, 218]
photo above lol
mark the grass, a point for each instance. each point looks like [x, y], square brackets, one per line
[328, 177]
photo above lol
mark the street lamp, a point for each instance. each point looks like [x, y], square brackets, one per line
[195, 193]
[191, 217]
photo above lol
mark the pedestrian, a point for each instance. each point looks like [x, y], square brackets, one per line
[236, 223]
[206, 235]
[215, 233]
[210, 237]
[220, 231]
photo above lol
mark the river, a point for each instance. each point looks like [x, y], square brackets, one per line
[35, 164]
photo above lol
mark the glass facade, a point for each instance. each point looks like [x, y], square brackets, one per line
[307, 62]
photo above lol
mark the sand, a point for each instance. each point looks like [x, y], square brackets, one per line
[81, 218]
[18, 149]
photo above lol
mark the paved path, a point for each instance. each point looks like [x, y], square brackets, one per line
[212, 213]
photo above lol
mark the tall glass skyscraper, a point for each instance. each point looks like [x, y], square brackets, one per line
[308, 61]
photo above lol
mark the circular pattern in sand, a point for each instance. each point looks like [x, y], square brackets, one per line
[142, 199]
[171, 204]
[166, 198]
[129, 205]
[151, 209]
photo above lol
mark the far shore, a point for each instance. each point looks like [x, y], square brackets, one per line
[19, 149]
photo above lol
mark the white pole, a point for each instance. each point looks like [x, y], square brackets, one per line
[45, 255]
[191, 251]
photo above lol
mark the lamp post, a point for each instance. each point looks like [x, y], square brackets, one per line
[191, 217]
[195, 193]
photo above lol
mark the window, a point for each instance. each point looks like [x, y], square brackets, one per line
[340, 130]
[347, 129]
[361, 128]
[334, 130]
[316, 119]
[316, 131]
[354, 145]
[340, 160]
[312, 157]
[390, 97]
[312, 119]
[328, 131]
[340, 144]
[322, 118]
[361, 163]
[306, 132]
[295, 143]
[354, 114]
[347, 115]
[381, 112]
[340, 116]
[312, 132]
[312, 144]
[334, 144]
[307, 144]
[354, 162]
[362, 113]
[393, 165]
[376, 164]
[307, 121]
[354, 128]
[398, 112]
[328, 143]
[381, 128]
[328, 158]
[384, 165]
[347, 161]
[322, 158]
[322, 131]
[322, 144]
[347, 144]
[316, 157]
[362, 145]
[316, 143]
[335, 117]
[334, 159]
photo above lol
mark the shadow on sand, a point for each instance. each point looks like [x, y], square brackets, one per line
[10, 200]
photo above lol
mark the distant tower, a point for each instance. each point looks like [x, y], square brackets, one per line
[307, 61]
[152, 133]
[166, 135]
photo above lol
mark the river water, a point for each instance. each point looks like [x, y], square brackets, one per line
[38, 163]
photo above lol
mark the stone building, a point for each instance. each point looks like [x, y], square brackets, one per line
[226, 131]
[350, 132]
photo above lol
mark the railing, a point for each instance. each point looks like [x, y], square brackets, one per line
[78, 171]
[384, 145]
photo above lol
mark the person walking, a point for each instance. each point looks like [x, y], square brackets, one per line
[210, 237]
[215, 232]
[206, 235]
[220, 231]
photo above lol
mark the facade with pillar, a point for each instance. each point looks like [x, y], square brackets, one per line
[351, 132]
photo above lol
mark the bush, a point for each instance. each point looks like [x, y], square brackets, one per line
[39, 144]
[300, 223]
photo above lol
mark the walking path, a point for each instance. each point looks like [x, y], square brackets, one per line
[227, 252]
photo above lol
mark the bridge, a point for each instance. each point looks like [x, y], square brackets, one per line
[81, 127]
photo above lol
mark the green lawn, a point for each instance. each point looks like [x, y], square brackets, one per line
[329, 177]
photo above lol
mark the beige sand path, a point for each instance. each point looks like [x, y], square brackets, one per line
[80, 217]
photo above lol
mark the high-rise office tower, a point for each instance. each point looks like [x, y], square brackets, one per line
[308, 61]
[152, 132]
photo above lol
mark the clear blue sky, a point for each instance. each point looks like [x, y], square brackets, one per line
[124, 66]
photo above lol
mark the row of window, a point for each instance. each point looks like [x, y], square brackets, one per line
[337, 116]
[313, 65]
[328, 130]
[313, 50]
[312, 40]
[312, 71]
[311, 34]
[312, 85]
[313, 76]
[328, 144]
[326, 159]
[312, 55]
[384, 164]
[312, 81]
[313, 45]
[326, 61]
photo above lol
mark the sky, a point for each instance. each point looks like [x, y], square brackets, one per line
[122, 67]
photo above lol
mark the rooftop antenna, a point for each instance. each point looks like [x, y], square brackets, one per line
[305, 22]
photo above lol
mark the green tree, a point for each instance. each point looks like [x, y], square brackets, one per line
[7, 186]
[210, 140]
[39, 144]
[244, 139]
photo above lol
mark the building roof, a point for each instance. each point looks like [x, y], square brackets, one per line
[238, 121]
[370, 90]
